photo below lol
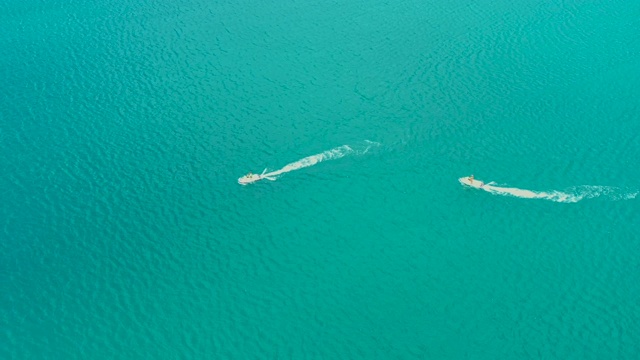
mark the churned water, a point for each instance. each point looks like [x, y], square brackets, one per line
[125, 125]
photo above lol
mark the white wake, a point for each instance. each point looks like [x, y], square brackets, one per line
[333, 154]
[570, 195]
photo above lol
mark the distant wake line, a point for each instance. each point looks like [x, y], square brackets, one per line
[570, 195]
[333, 154]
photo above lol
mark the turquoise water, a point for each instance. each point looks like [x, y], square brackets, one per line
[126, 125]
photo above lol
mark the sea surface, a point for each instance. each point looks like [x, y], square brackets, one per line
[125, 125]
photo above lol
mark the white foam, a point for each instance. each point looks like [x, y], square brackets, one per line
[333, 154]
[570, 195]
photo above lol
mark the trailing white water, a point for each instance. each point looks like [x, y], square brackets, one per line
[557, 196]
[333, 154]
[570, 195]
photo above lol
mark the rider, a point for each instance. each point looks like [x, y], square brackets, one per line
[471, 181]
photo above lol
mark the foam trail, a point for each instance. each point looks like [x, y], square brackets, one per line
[335, 153]
[571, 195]
[557, 196]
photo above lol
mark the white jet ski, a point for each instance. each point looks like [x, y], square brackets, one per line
[251, 178]
[470, 181]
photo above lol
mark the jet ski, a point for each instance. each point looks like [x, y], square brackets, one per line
[470, 181]
[251, 178]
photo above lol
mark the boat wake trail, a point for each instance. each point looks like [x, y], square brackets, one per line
[570, 195]
[333, 154]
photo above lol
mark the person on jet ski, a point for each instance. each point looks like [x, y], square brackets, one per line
[471, 181]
